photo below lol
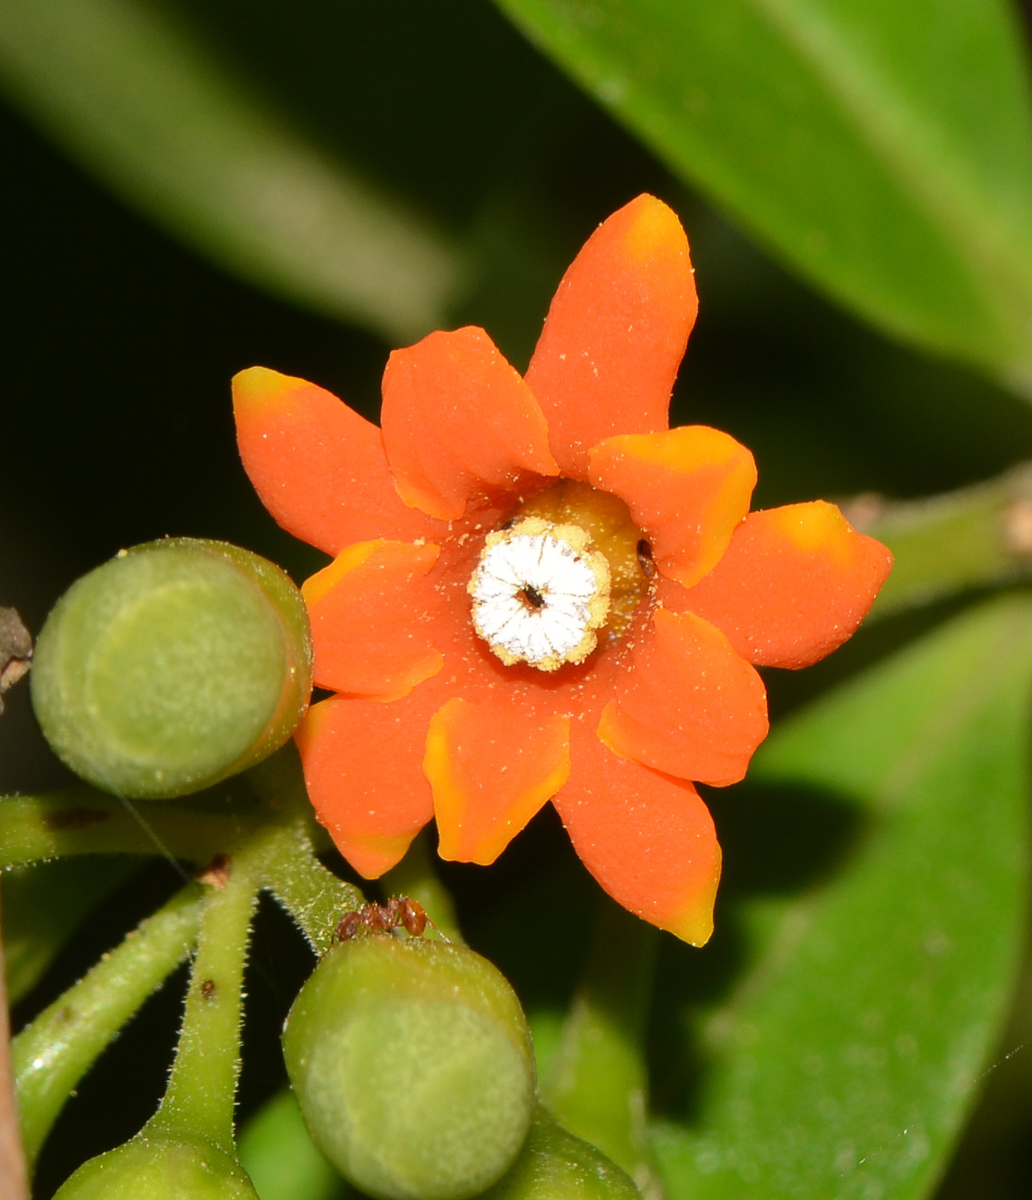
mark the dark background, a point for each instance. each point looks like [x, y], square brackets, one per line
[118, 345]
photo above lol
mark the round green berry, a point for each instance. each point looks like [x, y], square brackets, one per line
[160, 1169]
[412, 1064]
[172, 666]
[555, 1165]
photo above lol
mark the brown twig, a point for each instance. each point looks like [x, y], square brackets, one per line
[15, 650]
[14, 1184]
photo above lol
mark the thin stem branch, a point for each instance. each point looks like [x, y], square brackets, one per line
[313, 896]
[976, 537]
[52, 1054]
[81, 821]
[201, 1093]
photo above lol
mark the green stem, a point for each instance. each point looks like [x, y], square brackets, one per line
[201, 1093]
[597, 1081]
[269, 845]
[976, 537]
[313, 896]
[415, 876]
[81, 821]
[52, 1054]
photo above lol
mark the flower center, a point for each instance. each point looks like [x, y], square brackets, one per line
[539, 593]
[568, 572]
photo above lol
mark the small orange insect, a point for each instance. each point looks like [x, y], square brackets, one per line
[379, 918]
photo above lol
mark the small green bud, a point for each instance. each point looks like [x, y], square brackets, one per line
[149, 1168]
[555, 1165]
[412, 1063]
[172, 666]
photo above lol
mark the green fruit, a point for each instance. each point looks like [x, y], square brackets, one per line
[412, 1063]
[555, 1165]
[149, 1168]
[172, 666]
[278, 1155]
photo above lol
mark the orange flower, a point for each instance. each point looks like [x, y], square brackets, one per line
[541, 592]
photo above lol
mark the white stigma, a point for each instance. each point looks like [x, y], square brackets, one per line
[539, 593]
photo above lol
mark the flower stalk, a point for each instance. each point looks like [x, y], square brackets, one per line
[262, 841]
[201, 1093]
[55, 1051]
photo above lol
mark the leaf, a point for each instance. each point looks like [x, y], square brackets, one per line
[847, 1053]
[43, 905]
[281, 1160]
[883, 149]
[154, 115]
[596, 1084]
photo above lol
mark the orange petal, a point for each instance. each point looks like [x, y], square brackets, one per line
[369, 619]
[648, 839]
[616, 332]
[794, 584]
[689, 706]
[491, 768]
[319, 467]
[363, 765]
[458, 420]
[687, 489]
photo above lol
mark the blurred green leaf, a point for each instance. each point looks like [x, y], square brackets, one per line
[845, 1058]
[597, 1079]
[279, 1156]
[149, 110]
[43, 905]
[884, 149]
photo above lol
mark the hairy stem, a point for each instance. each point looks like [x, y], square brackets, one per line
[976, 537]
[201, 1093]
[82, 821]
[597, 1083]
[313, 896]
[52, 1054]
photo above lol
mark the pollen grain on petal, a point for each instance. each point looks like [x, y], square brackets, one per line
[688, 488]
[318, 466]
[370, 612]
[794, 584]
[491, 768]
[458, 421]
[615, 333]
